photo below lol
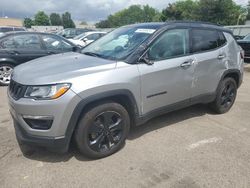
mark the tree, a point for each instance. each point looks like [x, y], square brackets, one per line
[130, 15]
[224, 12]
[41, 19]
[67, 21]
[28, 22]
[55, 19]
[83, 23]
[181, 10]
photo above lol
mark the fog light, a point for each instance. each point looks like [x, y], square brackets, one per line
[39, 122]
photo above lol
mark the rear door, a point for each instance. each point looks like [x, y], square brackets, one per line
[168, 80]
[22, 47]
[207, 47]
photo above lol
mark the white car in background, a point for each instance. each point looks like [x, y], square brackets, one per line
[87, 37]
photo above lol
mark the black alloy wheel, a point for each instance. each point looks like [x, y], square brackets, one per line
[102, 130]
[225, 97]
[106, 131]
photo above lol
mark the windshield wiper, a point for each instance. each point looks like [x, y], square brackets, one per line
[92, 54]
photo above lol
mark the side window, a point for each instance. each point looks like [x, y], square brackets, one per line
[54, 43]
[22, 42]
[29, 41]
[203, 40]
[94, 36]
[172, 43]
[78, 32]
[7, 43]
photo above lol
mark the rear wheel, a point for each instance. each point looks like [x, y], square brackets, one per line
[102, 130]
[5, 74]
[226, 96]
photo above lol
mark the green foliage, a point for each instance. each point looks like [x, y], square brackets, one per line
[181, 10]
[55, 19]
[67, 21]
[27, 22]
[224, 12]
[130, 15]
[41, 19]
[83, 23]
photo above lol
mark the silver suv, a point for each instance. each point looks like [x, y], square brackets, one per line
[123, 79]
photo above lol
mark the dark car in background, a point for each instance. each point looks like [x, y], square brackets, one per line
[4, 29]
[72, 32]
[245, 45]
[19, 47]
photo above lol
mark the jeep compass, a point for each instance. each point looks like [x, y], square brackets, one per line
[123, 79]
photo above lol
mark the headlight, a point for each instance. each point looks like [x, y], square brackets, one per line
[46, 92]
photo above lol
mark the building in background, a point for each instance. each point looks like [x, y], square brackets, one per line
[47, 29]
[5, 21]
[240, 30]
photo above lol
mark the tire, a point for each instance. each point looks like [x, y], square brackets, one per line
[5, 73]
[102, 130]
[225, 97]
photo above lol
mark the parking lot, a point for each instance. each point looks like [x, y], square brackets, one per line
[188, 148]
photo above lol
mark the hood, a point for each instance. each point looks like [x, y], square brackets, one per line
[58, 68]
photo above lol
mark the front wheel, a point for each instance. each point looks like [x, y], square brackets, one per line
[102, 130]
[5, 74]
[225, 97]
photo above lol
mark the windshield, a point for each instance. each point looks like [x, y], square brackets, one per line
[78, 37]
[118, 44]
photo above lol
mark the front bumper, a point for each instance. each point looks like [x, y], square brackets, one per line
[57, 137]
[53, 144]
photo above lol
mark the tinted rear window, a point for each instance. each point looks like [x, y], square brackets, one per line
[203, 40]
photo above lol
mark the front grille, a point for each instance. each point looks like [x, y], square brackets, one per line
[16, 90]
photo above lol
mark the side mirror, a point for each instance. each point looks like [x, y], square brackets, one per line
[85, 40]
[145, 59]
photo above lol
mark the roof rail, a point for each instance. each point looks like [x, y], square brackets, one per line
[191, 21]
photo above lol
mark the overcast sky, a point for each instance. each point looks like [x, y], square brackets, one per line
[89, 10]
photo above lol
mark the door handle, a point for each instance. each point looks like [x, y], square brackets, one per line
[187, 64]
[221, 56]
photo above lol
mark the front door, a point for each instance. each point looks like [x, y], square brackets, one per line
[169, 79]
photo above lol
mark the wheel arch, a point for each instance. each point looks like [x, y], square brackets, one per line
[233, 73]
[123, 97]
[7, 61]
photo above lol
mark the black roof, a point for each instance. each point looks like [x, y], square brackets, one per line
[158, 25]
[26, 32]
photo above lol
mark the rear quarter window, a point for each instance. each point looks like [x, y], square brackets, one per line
[204, 40]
